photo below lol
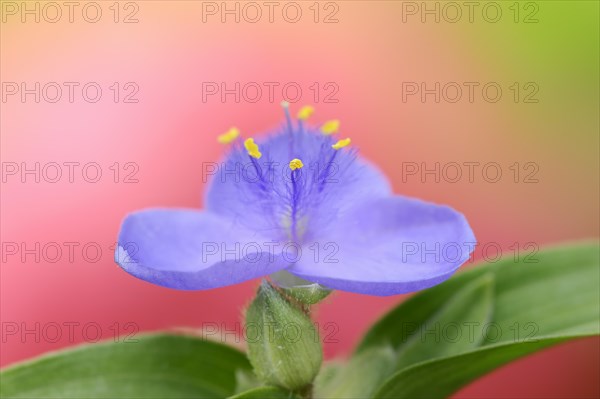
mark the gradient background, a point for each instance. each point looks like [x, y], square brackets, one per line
[368, 53]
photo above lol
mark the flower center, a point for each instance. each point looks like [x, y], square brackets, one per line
[283, 204]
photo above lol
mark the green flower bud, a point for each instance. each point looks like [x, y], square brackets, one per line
[283, 343]
[303, 291]
[308, 294]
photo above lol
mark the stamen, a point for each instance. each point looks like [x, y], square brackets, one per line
[330, 127]
[254, 154]
[229, 136]
[341, 144]
[305, 112]
[286, 110]
[296, 164]
[323, 176]
[252, 148]
[288, 118]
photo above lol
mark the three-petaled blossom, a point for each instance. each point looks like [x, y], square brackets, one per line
[300, 204]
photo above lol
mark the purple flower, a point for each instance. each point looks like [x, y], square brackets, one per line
[300, 206]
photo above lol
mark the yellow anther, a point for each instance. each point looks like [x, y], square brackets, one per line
[296, 164]
[252, 148]
[341, 144]
[330, 127]
[229, 136]
[305, 112]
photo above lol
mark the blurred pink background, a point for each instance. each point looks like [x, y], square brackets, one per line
[361, 61]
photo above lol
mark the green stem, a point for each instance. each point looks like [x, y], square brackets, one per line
[306, 392]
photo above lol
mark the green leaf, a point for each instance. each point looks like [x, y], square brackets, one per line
[329, 370]
[359, 378]
[455, 328]
[535, 305]
[265, 393]
[156, 366]
[559, 294]
[398, 325]
[442, 377]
